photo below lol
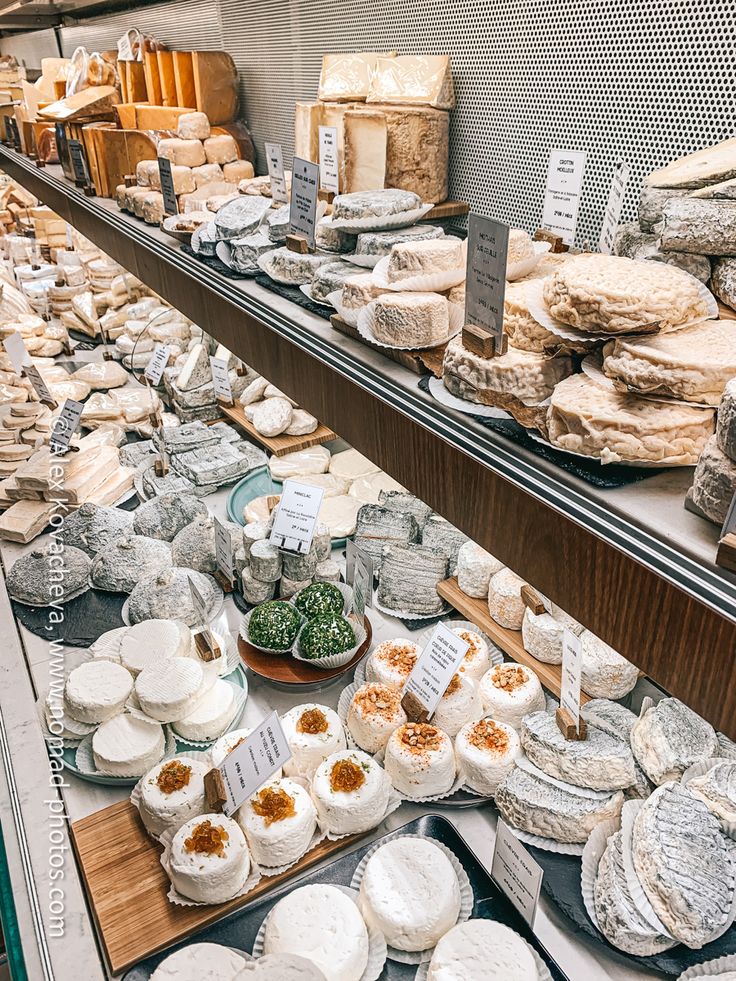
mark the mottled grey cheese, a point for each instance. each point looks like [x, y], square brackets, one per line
[405, 502]
[619, 919]
[204, 413]
[169, 483]
[632, 243]
[717, 790]
[204, 240]
[293, 268]
[194, 546]
[180, 439]
[199, 397]
[439, 533]
[33, 575]
[168, 596]
[327, 238]
[379, 244]
[240, 216]
[330, 277]
[127, 561]
[714, 482]
[245, 251]
[600, 762]
[255, 591]
[670, 737]
[137, 454]
[374, 204]
[377, 526]
[409, 577]
[326, 571]
[254, 531]
[165, 516]
[723, 281]
[707, 227]
[611, 717]
[219, 464]
[265, 561]
[322, 542]
[726, 747]
[277, 224]
[652, 202]
[534, 805]
[93, 526]
[684, 864]
[300, 567]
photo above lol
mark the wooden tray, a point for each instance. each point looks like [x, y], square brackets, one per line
[476, 610]
[127, 886]
[278, 445]
[420, 362]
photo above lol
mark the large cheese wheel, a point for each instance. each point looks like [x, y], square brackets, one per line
[238, 170]
[193, 126]
[183, 178]
[185, 153]
[220, 149]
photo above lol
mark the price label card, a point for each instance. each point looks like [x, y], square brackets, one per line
[171, 205]
[516, 873]
[304, 188]
[562, 194]
[729, 525]
[66, 426]
[221, 380]
[35, 378]
[612, 215]
[329, 168]
[8, 134]
[79, 163]
[296, 516]
[359, 574]
[253, 762]
[275, 161]
[16, 351]
[156, 364]
[224, 550]
[485, 284]
[572, 662]
[199, 604]
[436, 667]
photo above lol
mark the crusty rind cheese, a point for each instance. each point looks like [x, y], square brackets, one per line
[526, 375]
[185, 153]
[220, 149]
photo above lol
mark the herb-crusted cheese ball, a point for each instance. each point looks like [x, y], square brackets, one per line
[274, 625]
[319, 599]
[326, 635]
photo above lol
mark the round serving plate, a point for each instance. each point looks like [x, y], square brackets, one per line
[286, 673]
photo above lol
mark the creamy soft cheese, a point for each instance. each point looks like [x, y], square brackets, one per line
[410, 893]
[209, 859]
[154, 640]
[96, 691]
[107, 647]
[172, 793]
[169, 689]
[420, 760]
[485, 752]
[211, 715]
[278, 821]
[461, 703]
[324, 925]
[127, 747]
[375, 711]
[484, 950]
[314, 732]
[478, 659]
[226, 744]
[392, 662]
[201, 962]
[281, 967]
[511, 691]
[351, 792]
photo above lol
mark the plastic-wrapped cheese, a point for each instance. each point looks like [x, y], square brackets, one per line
[504, 599]
[207, 174]
[475, 567]
[143, 171]
[237, 170]
[183, 178]
[184, 153]
[193, 126]
[220, 149]
[153, 208]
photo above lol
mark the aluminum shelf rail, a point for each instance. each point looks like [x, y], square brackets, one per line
[630, 563]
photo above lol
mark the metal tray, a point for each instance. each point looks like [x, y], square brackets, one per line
[240, 928]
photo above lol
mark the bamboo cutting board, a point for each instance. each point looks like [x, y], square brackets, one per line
[127, 886]
[278, 445]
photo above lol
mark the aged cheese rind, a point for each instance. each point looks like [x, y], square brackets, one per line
[409, 578]
[726, 426]
[525, 375]
[703, 226]
[668, 738]
[374, 204]
[187, 153]
[475, 567]
[707, 166]
[410, 319]
[723, 281]
[714, 482]
[651, 204]
[347, 77]
[365, 150]
[632, 243]
[124, 562]
[604, 672]
[424, 80]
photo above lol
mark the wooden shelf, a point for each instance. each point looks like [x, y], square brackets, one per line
[476, 610]
[278, 445]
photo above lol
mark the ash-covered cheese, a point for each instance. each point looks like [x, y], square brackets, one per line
[411, 319]
[380, 244]
[240, 217]
[193, 126]
[726, 427]
[374, 204]
[714, 483]
[409, 577]
[185, 153]
[294, 269]
[331, 277]
[328, 238]
[128, 560]
[424, 258]
[439, 533]
[668, 738]
[377, 527]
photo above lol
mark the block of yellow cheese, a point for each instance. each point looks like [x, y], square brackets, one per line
[347, 77]
[159, 117]
[414, 80]
[166, 77]
[184, 78]
[215, 85]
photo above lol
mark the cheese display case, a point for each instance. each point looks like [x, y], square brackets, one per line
[353, 632]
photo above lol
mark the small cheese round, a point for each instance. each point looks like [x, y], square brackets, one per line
[226, 744]
[279, 822]
[127, 747]
[410, 892]
[237, 170]
[475, 567]
[183, 179]
[150, 641]
[207, 174]
[209, 860]
[272, 417]
[324, 925]
[201, 962]
[143, 171]
[484, 950]
[108, 646]
[193, 126]
[392, 662]
[478, 658]
[220, 149]
[184, 153]
[313, 732]
[279, 967]
[351, 792]
[520, 245]
[461, 703]
[96, 691]
[210, 716]
[542, 635]
[604, 673]
[411, 319]
[504, 599]
[167, 689]
[485, 752]
[420, 760]
[172, 793]
[374, 712]
[511, 691]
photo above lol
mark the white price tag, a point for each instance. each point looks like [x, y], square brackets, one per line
[304, 188]
[275, 161]
[562, 194]
[221, 380]
[296, 516]
[16, 351]
[199, 604]
[253, 762]
[171, 205]
[516, 873]
[158, 361]
[612, 215]
[436, 666]
[485, 285]
[35, 378]
[329, 168]
[572, 662]
[224, 551]
[66, 426]
[359, 574]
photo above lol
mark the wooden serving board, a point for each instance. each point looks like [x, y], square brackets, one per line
[127, 886]
[420, 362]
[278, 445]
[476, 610]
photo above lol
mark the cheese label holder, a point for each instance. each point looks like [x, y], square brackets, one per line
[562, 193]
[207, 647]
[431, 675]
[296, 517]
[225, 574]
[532, 600]
[171, 205]
[516, 873]
[275, 161]
[485, 286]
[221, 381]
[329, 169]
[303, 208]
[156, 364]
[66, 425]
[36, 379]
[359, 575]
[79, 163]
[567, 715]
[614, 207]
[726, 555]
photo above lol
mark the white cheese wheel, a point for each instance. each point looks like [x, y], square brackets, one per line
[185, 153]
[504, 599]
[205, 876]
[183, 178]
[343, 812]
[542, 636]
[127, 747]
[220, 149]
[207, 174]
[485, 752]
[167, 689]
[482, 949]
[193, 126]
[340, 514]
[301, 463]
[511, 691]
[282, 841]
[201, 962]
[313, 732]
[420, 760]
[154, 640]
[165, 809]
[96, 691]
[604, 672]
[475, 567]
[211, 715]
[350, 465]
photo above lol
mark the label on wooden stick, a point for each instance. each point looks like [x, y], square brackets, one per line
[275, 161]
[79, 162]
[304, 188]
[253, 762]
[66, 425]
[156, 364]
[17, 351]
[562, 194]
[572, 663]
[516, 873]
[221, 380]
[224, 551]
[171, 205]
[485, 284]
[329, 174]
[296, 517]
[359, 574]
[435, 667]
[612, 214]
